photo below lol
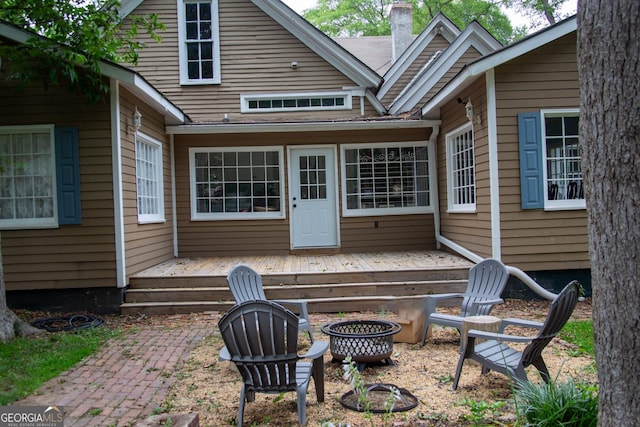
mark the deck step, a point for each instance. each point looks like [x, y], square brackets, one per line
[315, 305]
[306, 278]
[328, 298]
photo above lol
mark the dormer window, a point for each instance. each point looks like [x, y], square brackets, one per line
[199, 42]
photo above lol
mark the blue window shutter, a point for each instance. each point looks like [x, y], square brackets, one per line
[68, 176]
[531, 172]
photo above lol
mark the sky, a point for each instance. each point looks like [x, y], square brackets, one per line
[516, 20]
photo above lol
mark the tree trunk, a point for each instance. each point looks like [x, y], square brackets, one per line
[609, 67]
[10, 324]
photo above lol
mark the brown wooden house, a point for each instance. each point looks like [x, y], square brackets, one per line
[259, 135]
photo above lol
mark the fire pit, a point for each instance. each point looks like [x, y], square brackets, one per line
[366, 341]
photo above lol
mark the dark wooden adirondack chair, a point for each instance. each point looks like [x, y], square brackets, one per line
[246, 285]
[262, 340]
[494, 354]
[486, 282]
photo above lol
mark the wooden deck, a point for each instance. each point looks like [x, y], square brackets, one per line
[333, 263]
[330, 283]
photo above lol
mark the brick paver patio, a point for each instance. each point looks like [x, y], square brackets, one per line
[129, 377]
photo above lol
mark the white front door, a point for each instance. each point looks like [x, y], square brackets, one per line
[312, 197]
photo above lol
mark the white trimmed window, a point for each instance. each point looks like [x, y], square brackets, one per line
[275, 102]
[562, 169]
[149, 180]
[461, 181]
[27, 177]
[379, 179]
[236, 183]
[199, 42]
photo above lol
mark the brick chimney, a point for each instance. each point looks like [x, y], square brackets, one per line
[401, 18]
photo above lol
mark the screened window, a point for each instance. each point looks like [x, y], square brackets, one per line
[149, 181]
[240, 183]
[386, 179]
[563, 177]
[461, 183]
[27, 177]
[199, 47]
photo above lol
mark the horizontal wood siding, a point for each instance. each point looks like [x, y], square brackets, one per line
[468, 56]
[438, 43]
[145, 244]
[256, 55]
[537, 239]
[470, 230]
[387, 233]
[71, 256]
[216, 238]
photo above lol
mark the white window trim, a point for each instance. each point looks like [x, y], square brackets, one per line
[182, 42]
[459, 207]
[36, 223]
[158, 217]
[556, 205]
[196, 216]
[386, 211]
[246, 98]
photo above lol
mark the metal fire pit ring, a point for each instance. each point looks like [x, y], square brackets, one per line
[366, 341]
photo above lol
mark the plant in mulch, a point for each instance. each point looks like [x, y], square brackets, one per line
[558, 404]
[481, 413]
[373, 398]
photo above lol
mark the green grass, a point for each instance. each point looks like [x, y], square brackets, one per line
[579, 333]
[27, 362]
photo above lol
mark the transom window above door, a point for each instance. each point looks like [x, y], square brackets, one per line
[392, 179]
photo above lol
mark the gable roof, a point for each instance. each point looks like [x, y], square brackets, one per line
[475, 69]
[474, 36]
[309, 35]
[131, 79]
[320, 43]
[440, 25]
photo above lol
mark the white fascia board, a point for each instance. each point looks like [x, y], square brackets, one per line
[464, 78]
[172, 113]
[480, 66]
[439, 25]
[371, 97]
[15, 33]
[144, 90]
[114, 71]
[530, 43]
[229, 128]
[320, 43]
[471, 37]
[128, 6]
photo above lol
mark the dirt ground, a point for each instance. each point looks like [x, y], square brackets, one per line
[212, 388]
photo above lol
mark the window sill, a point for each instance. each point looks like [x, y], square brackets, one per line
[386, 211]
[463, 210]
[565, 208]
[200, 82]
[239, 217]
[151, 221]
